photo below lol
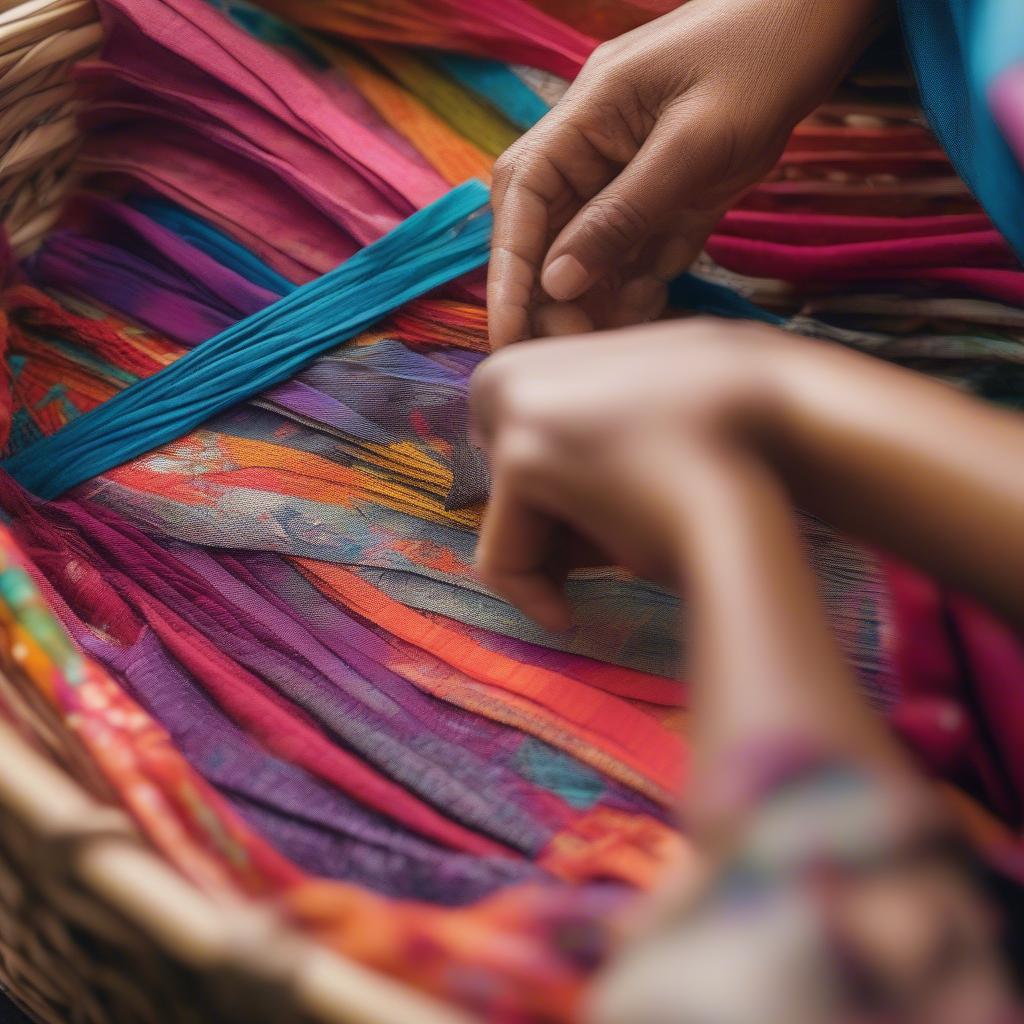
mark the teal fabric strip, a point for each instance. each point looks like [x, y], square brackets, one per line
[498, 85]
[433, 246]
[956, 47]
[270, 29]
[691, 292]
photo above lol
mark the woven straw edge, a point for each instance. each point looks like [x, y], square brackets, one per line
[196, 931]
[40, 42]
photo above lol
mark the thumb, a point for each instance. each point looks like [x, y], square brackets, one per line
[679, 166]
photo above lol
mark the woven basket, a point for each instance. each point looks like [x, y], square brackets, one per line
[94, 927]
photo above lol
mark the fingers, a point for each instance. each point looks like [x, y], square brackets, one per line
[677, 167]
[638, 301]
[558, 319]
[515, 555]
[636, 292]
[523, 552]
[518, 246]
[538, 186]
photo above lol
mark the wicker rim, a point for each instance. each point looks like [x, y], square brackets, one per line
[40, 42]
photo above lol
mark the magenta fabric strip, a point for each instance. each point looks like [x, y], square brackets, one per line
[829, 262]
[816, 229]
[201, 37]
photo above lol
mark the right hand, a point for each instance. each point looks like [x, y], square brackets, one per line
[615, 191]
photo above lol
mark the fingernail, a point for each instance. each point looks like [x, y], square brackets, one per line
[565, 278]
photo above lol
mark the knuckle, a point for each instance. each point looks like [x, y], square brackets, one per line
[520, 157]
[727, 379]
[502, 169]
[615, 222]
[495, 384]
[602, 67]
[525, 164]
[505, 167]
[596, 63]
[606, 53]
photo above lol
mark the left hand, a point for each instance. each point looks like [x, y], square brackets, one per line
[594, 448]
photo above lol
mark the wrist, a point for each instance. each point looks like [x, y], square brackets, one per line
[826, 40]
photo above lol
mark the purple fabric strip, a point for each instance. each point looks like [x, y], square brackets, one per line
[146, 272]
[322, 830]
[260, 612]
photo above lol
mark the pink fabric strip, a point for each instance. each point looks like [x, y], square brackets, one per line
[197, 34]
[1006, 98]
[836, 229]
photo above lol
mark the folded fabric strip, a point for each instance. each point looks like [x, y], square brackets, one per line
[243, 84]
[184, 817]
[434, 246]
[453, 155]
[448, 98]
[215, 642]
[521, 954]
[146, 271]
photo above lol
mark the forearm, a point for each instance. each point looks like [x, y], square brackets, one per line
[764, 665]
[906, 464]
[883, 454]
[827, 36]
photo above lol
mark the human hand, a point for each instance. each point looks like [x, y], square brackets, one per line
[614, 192]
[599, 473]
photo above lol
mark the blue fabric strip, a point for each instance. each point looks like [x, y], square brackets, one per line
[957, 47]
[690, 292]
[997, 40]
[433, 246]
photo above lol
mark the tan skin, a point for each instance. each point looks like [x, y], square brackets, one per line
[677, 450]
[615, 191]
